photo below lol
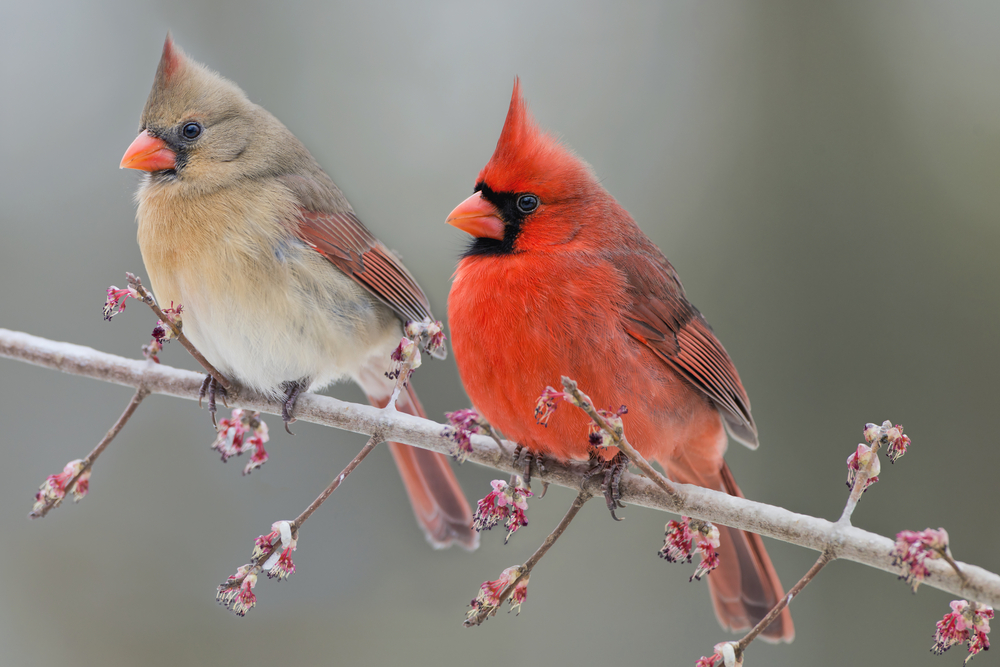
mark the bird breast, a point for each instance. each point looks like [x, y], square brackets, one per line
[260, 304]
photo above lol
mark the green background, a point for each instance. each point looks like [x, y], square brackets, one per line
[822, 175]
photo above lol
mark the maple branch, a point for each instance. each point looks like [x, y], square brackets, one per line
[843, 541]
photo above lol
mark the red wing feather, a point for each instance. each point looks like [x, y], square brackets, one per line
[662, 318]
[347, 243]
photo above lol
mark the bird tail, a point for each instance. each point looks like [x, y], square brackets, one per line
[745, 586]
[438, 502]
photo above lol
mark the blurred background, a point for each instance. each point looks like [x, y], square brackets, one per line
[822, 175]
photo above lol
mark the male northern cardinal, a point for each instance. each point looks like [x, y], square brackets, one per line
[559, 280]
[283, 288]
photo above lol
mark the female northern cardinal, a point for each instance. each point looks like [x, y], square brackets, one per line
[283, 288]
[559, 280]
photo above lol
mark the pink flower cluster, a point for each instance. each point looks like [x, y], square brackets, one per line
[237, 593]
[506, 503]
[243, 432]
[431, 334]
[462, 424]
[685, 537]
[596, 434]
[490, 594]
[278, 564]
[405, 359]
[162, 332]
[725, 654]
[966, 622]
[913, 548]
[54, 489]
[890, 437]
[116, 300]
[547, 405]
[866, 458]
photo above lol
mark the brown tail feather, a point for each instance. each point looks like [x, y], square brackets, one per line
[745, 588]
[438, 502]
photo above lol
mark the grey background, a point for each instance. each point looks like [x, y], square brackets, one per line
[822, 175]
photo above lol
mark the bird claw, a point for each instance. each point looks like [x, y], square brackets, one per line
[612, 470]
[529, 458]
[292, 391]
[212, 388]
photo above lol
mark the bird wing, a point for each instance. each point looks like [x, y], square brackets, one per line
[661, 318]
[344, 240]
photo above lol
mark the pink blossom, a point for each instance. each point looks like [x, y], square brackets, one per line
[912, 549]
[725, 654]
[116, 300]
[965, 622]
[507, 503]
[678, 544]
[245, 599]
[490, 595]
[405, 358]
[54, 489]
[865, 458]
[431, 334]
[462, 424]
[546, 405]
[283, 567]
[685, 537]
[243, 432]
[596, 434]
[891, 437]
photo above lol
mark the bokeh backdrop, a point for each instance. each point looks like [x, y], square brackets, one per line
[822, 175]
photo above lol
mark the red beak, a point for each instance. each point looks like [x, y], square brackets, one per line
[478, 217]
[148, 154]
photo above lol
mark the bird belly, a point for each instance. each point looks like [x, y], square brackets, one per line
[514, 333]
[262, 306]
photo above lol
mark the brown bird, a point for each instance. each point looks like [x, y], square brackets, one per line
[283, 288]
[559, 280]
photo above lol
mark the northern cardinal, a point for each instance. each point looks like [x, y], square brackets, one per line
[559, 280]
[283, 288]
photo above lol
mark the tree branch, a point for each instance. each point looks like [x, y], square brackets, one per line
[843, 541]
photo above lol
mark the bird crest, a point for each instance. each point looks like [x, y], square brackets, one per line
[528, 159]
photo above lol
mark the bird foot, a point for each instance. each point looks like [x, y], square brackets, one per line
[292, 390]
[612, 470]
[212, 388]
[529, 458]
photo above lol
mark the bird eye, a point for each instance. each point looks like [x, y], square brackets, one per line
[527, 203]
[191, 130]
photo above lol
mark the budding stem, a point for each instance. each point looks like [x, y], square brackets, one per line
[621, 442]
[88, 462]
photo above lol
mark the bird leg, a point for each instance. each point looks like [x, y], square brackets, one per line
[292, 390]
[212, 388]
[612, 470]
[529, 458]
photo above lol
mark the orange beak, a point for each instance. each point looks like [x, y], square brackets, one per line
[478, 217]
[148, 154]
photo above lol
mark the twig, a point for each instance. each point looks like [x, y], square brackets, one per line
[621, 442]
[485, 612]
[88, 462]
[148, 299]
[824, 559]
[847, 542]
[375, 439]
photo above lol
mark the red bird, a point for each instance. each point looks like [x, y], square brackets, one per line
[559, 280]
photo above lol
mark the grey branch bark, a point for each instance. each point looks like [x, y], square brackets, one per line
[814, 533]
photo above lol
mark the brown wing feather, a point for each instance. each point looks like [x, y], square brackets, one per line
[662, 318]
[347, 243]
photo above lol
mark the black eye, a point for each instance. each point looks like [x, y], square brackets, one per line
[191, 130]
[527, 203]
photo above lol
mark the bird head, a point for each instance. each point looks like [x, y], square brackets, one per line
[198, 128]
[533, 194]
